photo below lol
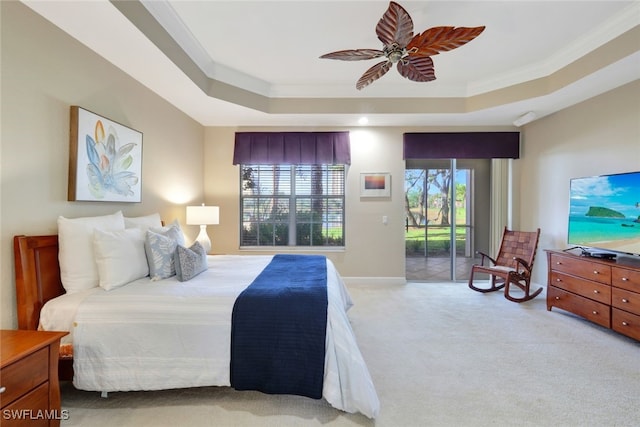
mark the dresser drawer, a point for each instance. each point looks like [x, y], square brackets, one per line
[30, 410]
[626, 323]
[591, 310]
[586, 288]
[577, 267]
[625, 279]
[23, 375]
[625, 300]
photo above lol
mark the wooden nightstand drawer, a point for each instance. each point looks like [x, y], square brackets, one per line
[23, 375]
[626, 279]
[577, 267]
[29, 377]
[626, 323]
[586, 288]
[591, 310]
[625, 300]
[30, 410]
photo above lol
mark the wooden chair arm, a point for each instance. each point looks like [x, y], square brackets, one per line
[523, 263]
[483, 256]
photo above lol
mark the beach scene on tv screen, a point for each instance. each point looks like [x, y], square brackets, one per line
[604, 212]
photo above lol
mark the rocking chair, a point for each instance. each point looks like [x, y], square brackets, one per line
[512, 266]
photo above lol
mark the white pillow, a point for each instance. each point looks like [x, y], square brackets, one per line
[120, 256]
[78, 268]
[143, 222]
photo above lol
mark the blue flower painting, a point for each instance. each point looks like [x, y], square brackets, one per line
[109, 167]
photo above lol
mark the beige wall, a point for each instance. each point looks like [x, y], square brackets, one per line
[598, 136]
[373, 252]
[44, 72]
[372, 249]
[601, 135]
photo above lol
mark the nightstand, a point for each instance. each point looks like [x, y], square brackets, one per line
[29, 388]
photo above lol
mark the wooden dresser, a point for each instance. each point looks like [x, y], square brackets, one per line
[606, 292]
[29, 388]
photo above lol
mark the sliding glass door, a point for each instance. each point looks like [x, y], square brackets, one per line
[440, 217]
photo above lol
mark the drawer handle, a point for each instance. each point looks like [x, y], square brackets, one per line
[2, 389]
[625, 300]
[558, 298]
[595, 272]
[595, 291]
[624, 279]
[594, 312]
[625, 324]
[558, 280]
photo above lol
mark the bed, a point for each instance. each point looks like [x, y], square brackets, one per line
[165, 334]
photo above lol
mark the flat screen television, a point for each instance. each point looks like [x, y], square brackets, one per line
[604, 214]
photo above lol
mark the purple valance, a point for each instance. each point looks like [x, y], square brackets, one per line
[295, 148]
[462, 145]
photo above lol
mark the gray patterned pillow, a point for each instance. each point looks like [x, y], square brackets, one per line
[177, 234]
[190, 261]
[160, 248]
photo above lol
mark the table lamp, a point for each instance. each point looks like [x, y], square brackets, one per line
[203, 216]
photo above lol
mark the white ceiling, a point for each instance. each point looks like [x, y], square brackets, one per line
[257, 62]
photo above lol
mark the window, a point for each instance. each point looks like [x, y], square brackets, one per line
[292, 205]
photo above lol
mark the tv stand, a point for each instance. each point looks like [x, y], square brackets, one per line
[603, 291]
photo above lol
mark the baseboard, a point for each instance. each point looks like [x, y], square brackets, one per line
[377, 281]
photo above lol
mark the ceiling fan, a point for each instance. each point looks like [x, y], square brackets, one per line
[411, 53]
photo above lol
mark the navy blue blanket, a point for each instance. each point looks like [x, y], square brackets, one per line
[278, 328]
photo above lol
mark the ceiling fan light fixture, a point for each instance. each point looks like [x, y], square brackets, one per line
[411, 53]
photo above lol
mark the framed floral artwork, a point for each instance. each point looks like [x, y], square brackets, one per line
[105, 159]
[375, 185]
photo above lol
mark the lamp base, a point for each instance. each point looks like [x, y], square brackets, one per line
[203, 238]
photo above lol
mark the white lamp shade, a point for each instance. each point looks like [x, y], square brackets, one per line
[203, 215]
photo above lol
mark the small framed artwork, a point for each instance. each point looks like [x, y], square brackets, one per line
[375, 185]
[105, 159]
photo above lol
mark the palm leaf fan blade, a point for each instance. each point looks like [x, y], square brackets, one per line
[412, 53]
[395, 26]
[441, 39]
[354, 54]
[373, 74]
[417, 68]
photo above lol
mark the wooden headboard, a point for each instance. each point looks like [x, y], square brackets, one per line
[37, 276]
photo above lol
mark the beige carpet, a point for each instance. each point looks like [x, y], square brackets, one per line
[439, 355]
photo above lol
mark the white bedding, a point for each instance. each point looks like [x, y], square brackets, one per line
[153, 335]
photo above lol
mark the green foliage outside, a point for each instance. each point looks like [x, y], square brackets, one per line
[439, 241]
[427, 203]
[309, 232]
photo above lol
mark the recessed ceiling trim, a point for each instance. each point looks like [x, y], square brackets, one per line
[139, 15]
[609, 30]
[142, 19]
[167, 17]
[179, 80]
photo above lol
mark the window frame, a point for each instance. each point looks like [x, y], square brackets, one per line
[292, 199]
